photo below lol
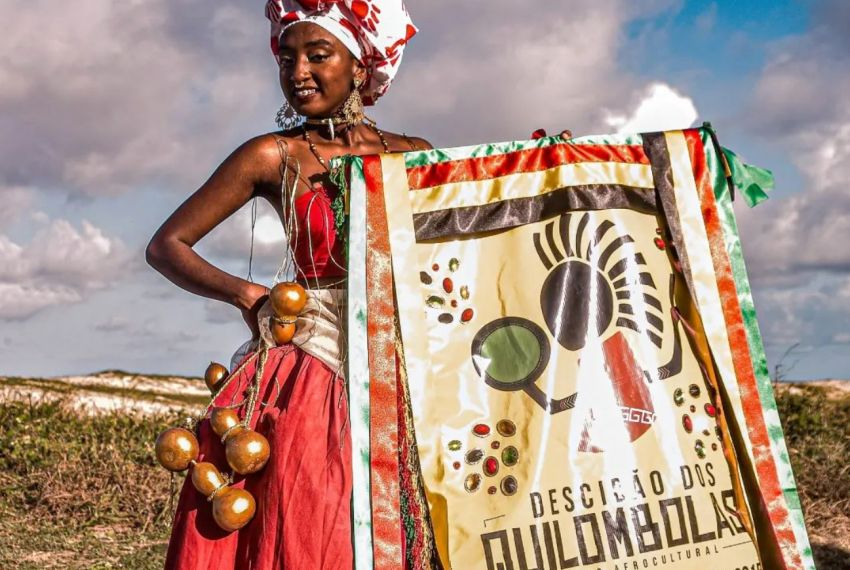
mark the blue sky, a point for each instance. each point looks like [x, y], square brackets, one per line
[112, 113]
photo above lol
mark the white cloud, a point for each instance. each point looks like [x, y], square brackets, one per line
[810, 313]
[100, 96]
[15, 201]
[132, 330]
[231, 240]
[20, 301]
[796, 247]
[799, 102]
[661, 108]
[218, 313]
[499, 73]
[113, 324]
[60, 265]
[841, 338]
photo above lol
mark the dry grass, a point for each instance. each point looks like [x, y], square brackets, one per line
[817, 429]
[80, 491]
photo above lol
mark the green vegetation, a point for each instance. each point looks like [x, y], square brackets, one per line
[84, 491]
[79, 491]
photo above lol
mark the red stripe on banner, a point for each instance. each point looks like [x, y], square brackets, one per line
[768, 476]
[530, 160]
[383, 399]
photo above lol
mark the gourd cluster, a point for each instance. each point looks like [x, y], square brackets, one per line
[246, 450]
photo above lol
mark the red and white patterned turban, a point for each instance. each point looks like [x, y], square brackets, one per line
[375, 31]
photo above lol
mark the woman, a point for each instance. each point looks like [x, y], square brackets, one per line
[330, 56]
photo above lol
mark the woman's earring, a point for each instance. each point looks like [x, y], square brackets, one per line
[352, 109]
[287, 117]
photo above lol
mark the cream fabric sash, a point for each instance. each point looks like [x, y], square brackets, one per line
[320, 329]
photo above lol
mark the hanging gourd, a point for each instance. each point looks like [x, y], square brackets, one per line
[214, 375]
[246, 450]
[176, 449]
[232, 508]
[224, 422]
[287, 299]
[207, 479]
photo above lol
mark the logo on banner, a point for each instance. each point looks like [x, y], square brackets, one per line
[598, 285]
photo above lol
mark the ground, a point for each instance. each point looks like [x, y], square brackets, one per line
[79, 487]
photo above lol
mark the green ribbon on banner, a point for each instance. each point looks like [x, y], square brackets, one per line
[751, 181]
[754, 339]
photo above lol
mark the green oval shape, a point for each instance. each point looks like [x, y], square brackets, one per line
[510, 456]
[513, 352]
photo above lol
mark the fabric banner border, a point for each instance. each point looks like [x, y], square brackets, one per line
[758, 359]
[383, 399]
[358, 372]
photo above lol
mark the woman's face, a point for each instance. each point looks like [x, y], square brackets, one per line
[316, 70]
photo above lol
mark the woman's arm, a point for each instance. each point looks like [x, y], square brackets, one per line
[251, 170]
[421, 144]
[405, 143]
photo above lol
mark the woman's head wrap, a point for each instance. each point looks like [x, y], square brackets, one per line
[375, 31]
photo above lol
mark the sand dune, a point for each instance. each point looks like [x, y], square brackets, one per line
[113, 390]
[110, 391]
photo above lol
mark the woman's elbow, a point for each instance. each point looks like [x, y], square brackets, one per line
[156, 252]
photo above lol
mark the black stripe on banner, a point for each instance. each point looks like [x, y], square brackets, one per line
[508, 214]
[655, 146]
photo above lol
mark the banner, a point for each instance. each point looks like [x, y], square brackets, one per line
[584, 369]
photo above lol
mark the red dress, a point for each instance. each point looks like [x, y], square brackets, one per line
[303, 518]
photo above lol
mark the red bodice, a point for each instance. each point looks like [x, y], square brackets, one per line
[318, 251]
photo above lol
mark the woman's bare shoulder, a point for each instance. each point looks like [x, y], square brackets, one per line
[260, 157]
[268, 147]
[403, 142]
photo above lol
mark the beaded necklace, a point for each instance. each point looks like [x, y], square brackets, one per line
[339, 205]
[308, 139]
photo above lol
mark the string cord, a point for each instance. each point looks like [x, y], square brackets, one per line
[289, 268]
[250, 277]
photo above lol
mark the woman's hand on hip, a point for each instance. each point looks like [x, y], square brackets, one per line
[250, 302]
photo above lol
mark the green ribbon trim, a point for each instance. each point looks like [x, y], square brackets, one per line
[339, 179]
[430, 157]
[751, 181]
[770, 413]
